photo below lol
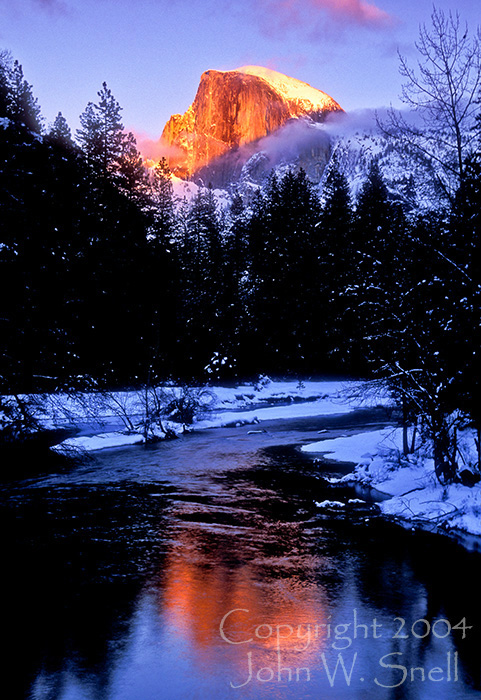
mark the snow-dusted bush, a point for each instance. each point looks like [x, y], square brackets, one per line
[185, 404]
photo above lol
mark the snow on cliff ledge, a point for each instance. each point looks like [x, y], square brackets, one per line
[300, 93]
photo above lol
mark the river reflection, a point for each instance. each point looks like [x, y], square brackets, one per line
[216, 603]
[222, 580]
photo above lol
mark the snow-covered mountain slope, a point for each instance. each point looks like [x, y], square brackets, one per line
[407, 179]
[350, 143]
[187, 190]
[412, 176]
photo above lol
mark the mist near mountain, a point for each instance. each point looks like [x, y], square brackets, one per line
[232, 115]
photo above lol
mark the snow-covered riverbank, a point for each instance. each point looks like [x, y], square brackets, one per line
[416, 496]
[224, 406]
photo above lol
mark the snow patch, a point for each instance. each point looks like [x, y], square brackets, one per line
[356, 448]
[416, 496]
[98, 442]
[330, 504]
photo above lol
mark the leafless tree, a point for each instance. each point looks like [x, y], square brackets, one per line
[442, 90]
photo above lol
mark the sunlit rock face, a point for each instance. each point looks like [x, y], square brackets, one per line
[232, 114]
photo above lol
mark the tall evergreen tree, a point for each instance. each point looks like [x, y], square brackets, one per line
[132, 176]
[5, 77]
[466, 254]
[25, 107]
[162, 201]
[202, 261]
[377, 244]
[335, 255]
[60, 132]
[101, 135]
[17, 101]
[237, 281]
[282, 270]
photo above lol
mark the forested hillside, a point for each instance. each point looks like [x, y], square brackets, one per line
[106, 278]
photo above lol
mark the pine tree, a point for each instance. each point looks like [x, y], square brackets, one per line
[282, 271]
[162, 200]
[90, 137]
[60, 132]
[17, 102]
[373, 210]
[377, 234]
[236, 280]
[202, 263]
[335, 255]
[6, 62]
[24, 106]
[466, 254]
[101, 136]
[132, 177]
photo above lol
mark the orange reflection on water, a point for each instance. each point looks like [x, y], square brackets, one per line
[270, 606]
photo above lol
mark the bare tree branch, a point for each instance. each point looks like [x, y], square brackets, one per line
[442, 89]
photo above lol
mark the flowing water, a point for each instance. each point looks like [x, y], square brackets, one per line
[202, 569]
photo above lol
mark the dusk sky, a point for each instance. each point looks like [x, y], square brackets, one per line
[151, 53]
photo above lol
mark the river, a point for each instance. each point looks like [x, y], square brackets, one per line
[202, 569]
